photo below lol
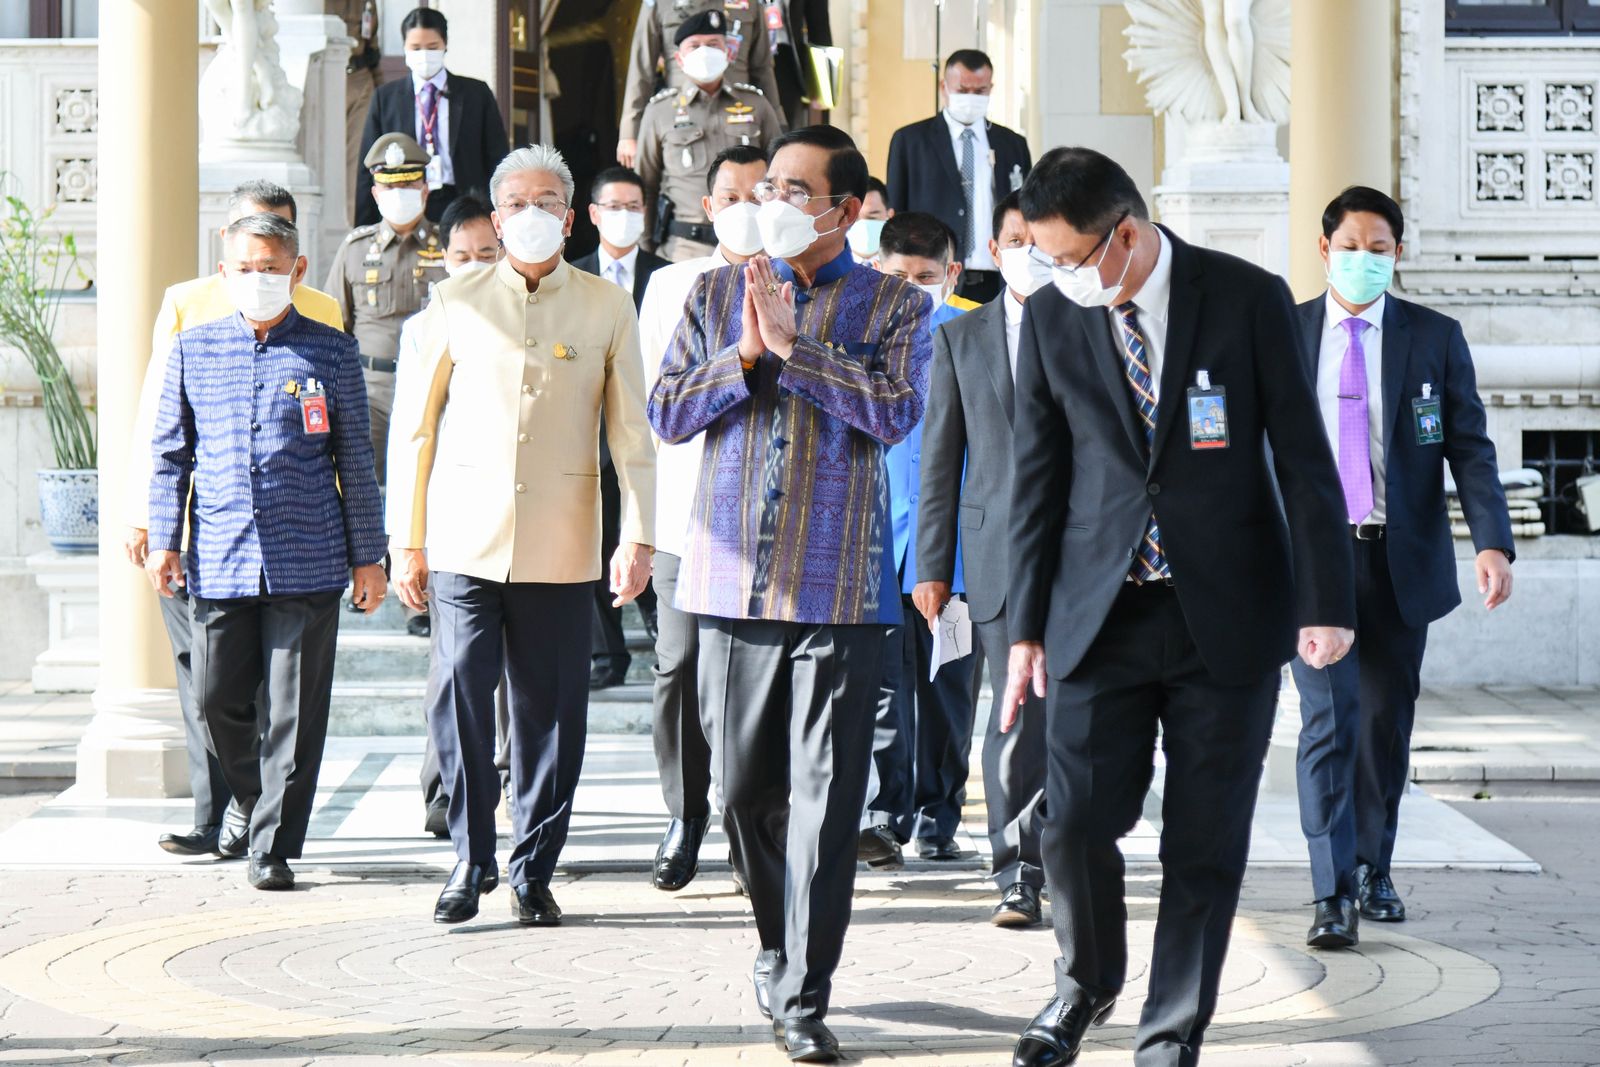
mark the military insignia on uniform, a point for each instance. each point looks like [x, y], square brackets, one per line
[714, 19]
[394, 156]
[565, 351]
[662, 95]
[740, 112]
[432, 255]
[747, 87]
[291, 387]
[737, 5]
[372, 275]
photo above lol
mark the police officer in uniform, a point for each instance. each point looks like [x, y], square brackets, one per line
[684, 129]
[360, 19]
[749, 57]
[382, 274]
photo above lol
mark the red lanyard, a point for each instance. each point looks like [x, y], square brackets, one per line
[429, 121]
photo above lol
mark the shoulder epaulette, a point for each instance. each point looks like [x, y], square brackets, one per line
[747, 87]
[361, 231]
[663, 94]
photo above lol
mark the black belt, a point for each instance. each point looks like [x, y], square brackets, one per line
[1372, 531]
[382, 366]
[694, 231]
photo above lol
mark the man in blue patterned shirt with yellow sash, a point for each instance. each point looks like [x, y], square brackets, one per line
[264, 417]
[798, 369]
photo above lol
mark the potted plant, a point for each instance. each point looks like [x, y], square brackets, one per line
[33, 265]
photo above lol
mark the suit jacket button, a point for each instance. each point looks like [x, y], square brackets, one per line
[1153, 489]
[522, 438]
[527, 390]
[521, 488]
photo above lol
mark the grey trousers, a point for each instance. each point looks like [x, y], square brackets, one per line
[683, 757]
[788, 709]
[380, 404]
[270, 749]
[206, 784]
[533, 635]
[1013, 772]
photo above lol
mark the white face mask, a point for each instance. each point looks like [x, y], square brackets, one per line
[1023, 272]
[531, 235]
[466, 267]
[935, 292]
[967, 108]
[400, 207]
[737, 229]
[622, 228]
[864, 237]
[425, 62]
[1084, 286]
[260, 297]
[786, 231]
[705, 64]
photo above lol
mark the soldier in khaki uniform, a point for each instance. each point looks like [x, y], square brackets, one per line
[749, 57]
[360, 79]
[383, 274]
[684, 129]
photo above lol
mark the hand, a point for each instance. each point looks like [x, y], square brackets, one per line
[627, 151]
[1494, 577]
[630, 570]
[930, 599]
[164, 569]
[410, 577]
[1025, 668]
[774, 306]
[136, 543]
[1322, 646]
[369, 585]
[750, 347]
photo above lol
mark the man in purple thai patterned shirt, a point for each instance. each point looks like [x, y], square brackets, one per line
[799, 369]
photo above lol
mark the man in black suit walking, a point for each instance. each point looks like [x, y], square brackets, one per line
[454, 119]
[958, 165]
[1398, 400]
[800, 24]
[616, 207]
[1155, 582]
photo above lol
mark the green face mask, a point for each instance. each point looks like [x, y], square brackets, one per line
[1360, 277]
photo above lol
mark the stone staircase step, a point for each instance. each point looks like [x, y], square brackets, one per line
[394, 655]
[394, 708]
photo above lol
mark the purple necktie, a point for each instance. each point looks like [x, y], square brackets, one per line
[430, 114]
[1355, 441]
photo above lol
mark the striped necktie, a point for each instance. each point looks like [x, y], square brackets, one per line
[1149, 563]
[969, 182]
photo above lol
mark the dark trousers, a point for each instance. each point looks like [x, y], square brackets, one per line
[1355, 733]
[270, 747]
[431, 779]
[206, 784]
[922, 737]
[979, 285]
[610, 643]
[683, 756]
[1013, 772]
[788, 709]
[1143, 673]
[483, 631]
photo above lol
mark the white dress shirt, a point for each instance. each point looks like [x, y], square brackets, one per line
[1152, 301]
[608, 266]
[1013, 308]
[677, 466]
[441, 171]
[982, 191]
[1330, 361]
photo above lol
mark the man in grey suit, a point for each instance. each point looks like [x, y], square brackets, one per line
[968, 427]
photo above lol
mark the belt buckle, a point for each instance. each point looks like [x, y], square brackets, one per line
[1377, 534]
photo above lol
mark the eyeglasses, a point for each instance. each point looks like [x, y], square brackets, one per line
[550, 205]
[618, 205]
[766, 192]
[1072, 271]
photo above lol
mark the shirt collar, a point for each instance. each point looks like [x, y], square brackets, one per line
[1156, 292]
[629, 261]
[1336, 313]
[509, 277]
[418, 233]
[978, 128]
[438, 81]
[1013, 308]
[276, 334]
[831, 271]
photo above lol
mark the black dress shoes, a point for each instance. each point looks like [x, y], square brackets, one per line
[459, 900]
[1052, 1039]
[879, 850]
[436, 818]
[766, 959]
[201, 841]
[678, 857]
[1335, 924]
[938, 848]
[234, 839]
[1019, 906]
[420, 626]
[806, 1040]
[270, 872]
[605, 675]
[532, 904]
[1376, 893]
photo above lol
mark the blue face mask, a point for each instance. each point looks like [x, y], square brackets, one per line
[1360, 277]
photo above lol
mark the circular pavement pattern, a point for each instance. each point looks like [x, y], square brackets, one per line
[646, 978]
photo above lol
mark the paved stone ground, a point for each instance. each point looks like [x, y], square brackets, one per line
[190, 966]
